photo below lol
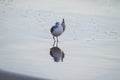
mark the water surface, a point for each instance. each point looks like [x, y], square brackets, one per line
[90, 44]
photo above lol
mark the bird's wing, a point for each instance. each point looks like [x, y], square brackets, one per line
[63, 25]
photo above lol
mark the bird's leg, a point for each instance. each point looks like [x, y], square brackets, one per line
[54, 38]
[57, 40]
[54, 41]
[54, 44]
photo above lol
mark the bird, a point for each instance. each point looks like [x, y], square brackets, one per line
[58, 29]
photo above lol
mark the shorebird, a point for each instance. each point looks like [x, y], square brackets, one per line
[58, 29]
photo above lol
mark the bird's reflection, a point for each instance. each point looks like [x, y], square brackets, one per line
[57, 53]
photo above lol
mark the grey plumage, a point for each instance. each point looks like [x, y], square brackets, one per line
[58, 29]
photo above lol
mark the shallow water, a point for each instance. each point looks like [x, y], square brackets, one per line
[90, 45]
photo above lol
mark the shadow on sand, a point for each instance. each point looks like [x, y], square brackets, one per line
[4, 75]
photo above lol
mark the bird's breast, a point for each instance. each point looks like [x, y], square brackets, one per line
[57, 31]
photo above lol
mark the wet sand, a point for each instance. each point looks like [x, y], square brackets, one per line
[90, 45]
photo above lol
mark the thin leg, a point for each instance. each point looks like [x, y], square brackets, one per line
[54, 38]
[54, 44]
[57, 41]
[54, 41]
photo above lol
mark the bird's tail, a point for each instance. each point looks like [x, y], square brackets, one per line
[63, 25]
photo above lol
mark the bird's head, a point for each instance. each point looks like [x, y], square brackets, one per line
[57, 23]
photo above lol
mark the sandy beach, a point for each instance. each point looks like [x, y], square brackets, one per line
[90, 43]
